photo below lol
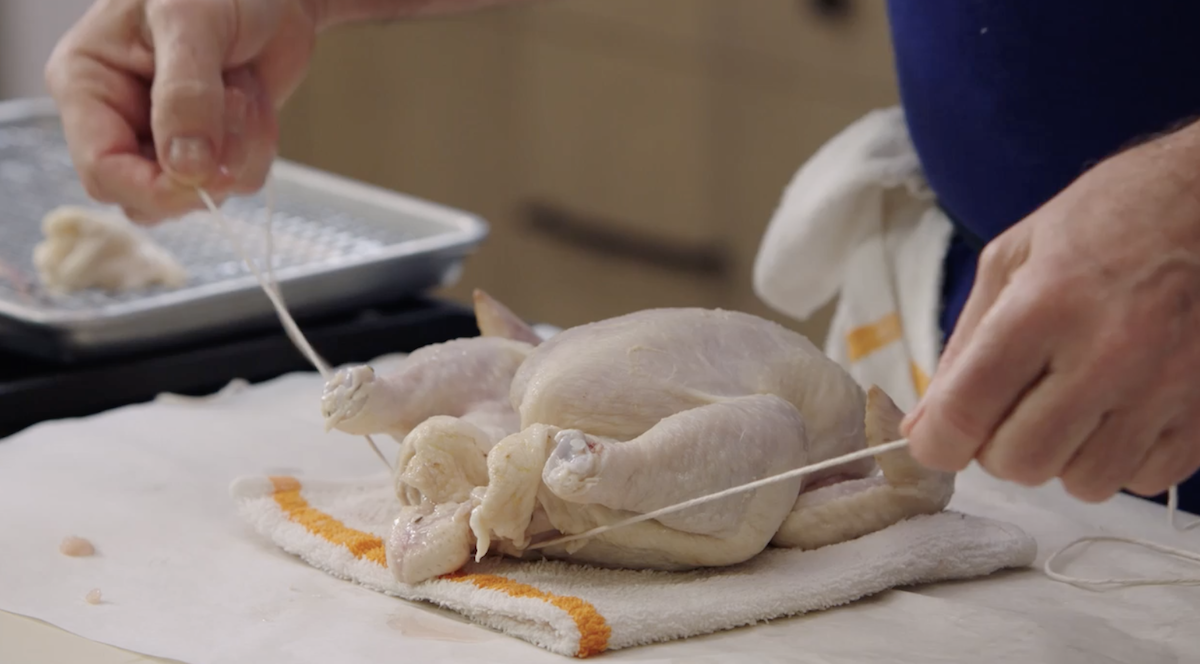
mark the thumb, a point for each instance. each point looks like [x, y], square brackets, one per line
[187, 98]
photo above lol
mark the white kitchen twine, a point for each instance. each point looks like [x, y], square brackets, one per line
[271, 288]
[1172, 507]
[679, 507]
[1126, 582]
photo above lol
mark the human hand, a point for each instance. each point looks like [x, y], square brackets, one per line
[158, 97]
[1077, 355]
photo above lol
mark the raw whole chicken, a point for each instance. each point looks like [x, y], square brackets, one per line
[86, 249]
[507, 441]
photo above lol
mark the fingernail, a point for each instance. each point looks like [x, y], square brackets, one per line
[191, 157]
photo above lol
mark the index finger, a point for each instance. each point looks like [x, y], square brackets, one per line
[111, 163]
[1008, 353]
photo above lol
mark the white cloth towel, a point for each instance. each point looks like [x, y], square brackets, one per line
[341, 527]
[858, 221]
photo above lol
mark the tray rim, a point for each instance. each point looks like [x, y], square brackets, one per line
[468, 230]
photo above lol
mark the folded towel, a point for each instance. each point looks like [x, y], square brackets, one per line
[341, 527]
[858, 221]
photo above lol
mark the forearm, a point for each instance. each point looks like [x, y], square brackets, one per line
[338, 12]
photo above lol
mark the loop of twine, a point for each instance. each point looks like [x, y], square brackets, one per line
[1129, 582]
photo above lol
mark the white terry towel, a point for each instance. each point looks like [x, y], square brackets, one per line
[341, 527]
[858, 221]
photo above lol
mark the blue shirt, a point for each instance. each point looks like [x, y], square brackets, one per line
[1008, 101]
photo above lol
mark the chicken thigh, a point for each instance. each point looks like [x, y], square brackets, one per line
[507, 441]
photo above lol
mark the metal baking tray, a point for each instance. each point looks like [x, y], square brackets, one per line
[337, 244]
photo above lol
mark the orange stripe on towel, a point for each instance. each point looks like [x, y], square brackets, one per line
[920, 379]
[362, 545]
[864, 340]
[594, 630]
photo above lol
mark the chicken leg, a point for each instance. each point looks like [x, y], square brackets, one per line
[590, 481]
[853, 508]
[692, 453]
[452, 378]
[469, 377]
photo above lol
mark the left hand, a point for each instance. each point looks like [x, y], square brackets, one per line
[1077, 355]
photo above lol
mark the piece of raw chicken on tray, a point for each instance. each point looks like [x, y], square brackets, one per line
[508, 440]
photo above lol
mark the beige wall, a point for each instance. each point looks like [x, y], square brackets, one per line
[28, 31]
[598, 137]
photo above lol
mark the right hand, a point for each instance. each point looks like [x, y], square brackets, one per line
[158, 97]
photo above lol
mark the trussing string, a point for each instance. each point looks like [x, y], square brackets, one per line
[1172, 507]
[1126, 582]
[271, 287]
[671, 509]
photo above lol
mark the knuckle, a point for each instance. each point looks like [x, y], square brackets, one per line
[1090, 484]
[1024, 473]
[52, 73]
[1176, 293]
[1039, 308]
[63, 73]
[959, 425]
[942, 445]
[167, 19]
[936, 458]
[1117, 342]
[1009, 464]
[1013, 458]
[56, 71]
[1083, 480]
[182, 95]
[993, 257]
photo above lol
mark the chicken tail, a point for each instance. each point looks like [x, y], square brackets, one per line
[496, 320]
[883, 419]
